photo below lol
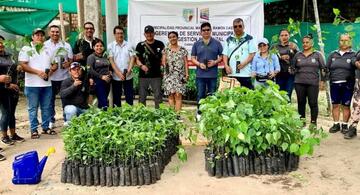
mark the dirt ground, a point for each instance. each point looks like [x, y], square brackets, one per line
[333, 169]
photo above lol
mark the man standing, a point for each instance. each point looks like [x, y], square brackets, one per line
[239, 50]
[122, 61]
[62, 57]
[206, 53]
[35, 60]
[83, 48]
[148, 58]
[74, 92]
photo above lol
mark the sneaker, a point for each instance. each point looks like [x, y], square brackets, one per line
[2, 157]
[351, 133]
[198, 117]
[51, 125]
[344, 128]
[6, 140]
[335, 128]
[17, 138]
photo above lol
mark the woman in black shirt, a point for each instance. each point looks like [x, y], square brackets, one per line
[100, 72]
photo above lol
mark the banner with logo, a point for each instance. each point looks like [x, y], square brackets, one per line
[185, 17]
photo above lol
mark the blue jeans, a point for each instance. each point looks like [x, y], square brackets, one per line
[72, 111]
[39, 96]
[118, 86]
[286, 83]
[102, 89]
[205, 87]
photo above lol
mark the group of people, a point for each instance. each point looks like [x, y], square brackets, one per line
[78, 74]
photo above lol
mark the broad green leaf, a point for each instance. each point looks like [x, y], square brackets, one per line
[246, 151]
[268, 138]
[227, 136]
[304, 149]
[230, 104]
[336, 11]
[239, 150]
[241, 136]
[276, 136]
[294, 148]
[284, 146]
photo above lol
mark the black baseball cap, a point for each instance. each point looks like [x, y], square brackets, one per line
[149, 29]
[36, 30]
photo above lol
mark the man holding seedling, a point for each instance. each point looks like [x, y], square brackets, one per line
[62, 57]
[74, 92]
[148, 59]
[206, 54]
[35, 60]
[239, 50]
[122, 61]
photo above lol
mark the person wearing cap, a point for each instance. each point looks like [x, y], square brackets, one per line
[239, 50]
[206, 54]
[341, 65]
[285, 51]
[264, 66]
[35, 60]
[122, 61]
[149, 59]
[62, 55]
[74, 92]
[306, 66]
[83, 48]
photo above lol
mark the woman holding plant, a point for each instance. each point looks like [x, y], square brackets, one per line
[306, 66]
[100, 72]
[265, 65]
[176, 71]
[285, 51]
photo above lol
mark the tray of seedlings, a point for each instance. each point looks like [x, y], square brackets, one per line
[254, 132]
[122, 146]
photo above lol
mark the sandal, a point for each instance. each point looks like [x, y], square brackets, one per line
[45, 131]
[52, 132]
[35, 135]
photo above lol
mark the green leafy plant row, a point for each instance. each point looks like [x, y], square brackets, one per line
[243, 120]
[127, 133]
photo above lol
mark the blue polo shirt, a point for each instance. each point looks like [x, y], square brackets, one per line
[207, 52]
[240, 54]
[263, 66]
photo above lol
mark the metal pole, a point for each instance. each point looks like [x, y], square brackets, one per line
[321, 45]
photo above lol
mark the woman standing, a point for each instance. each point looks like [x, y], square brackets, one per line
[264, 66]
[9, 97]
[175, 61]
[286, 51]
[307, 64]
[100, 72]
[341, 64]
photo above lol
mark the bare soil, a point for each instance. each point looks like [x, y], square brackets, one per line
[333, 169]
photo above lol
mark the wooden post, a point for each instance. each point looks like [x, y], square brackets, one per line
[321, 45]
[80, 13]
[62, 27]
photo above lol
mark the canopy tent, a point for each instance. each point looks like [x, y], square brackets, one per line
[69, 6]
[22, 23]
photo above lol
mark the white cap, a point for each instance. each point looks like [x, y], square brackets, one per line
[263, 40]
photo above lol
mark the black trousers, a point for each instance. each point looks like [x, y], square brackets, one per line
[8, 103]
[310, 93]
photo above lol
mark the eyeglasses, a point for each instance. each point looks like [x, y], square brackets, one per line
[237, 26]
[207, 29]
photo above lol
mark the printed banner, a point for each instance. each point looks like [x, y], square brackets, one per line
[185, 17]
